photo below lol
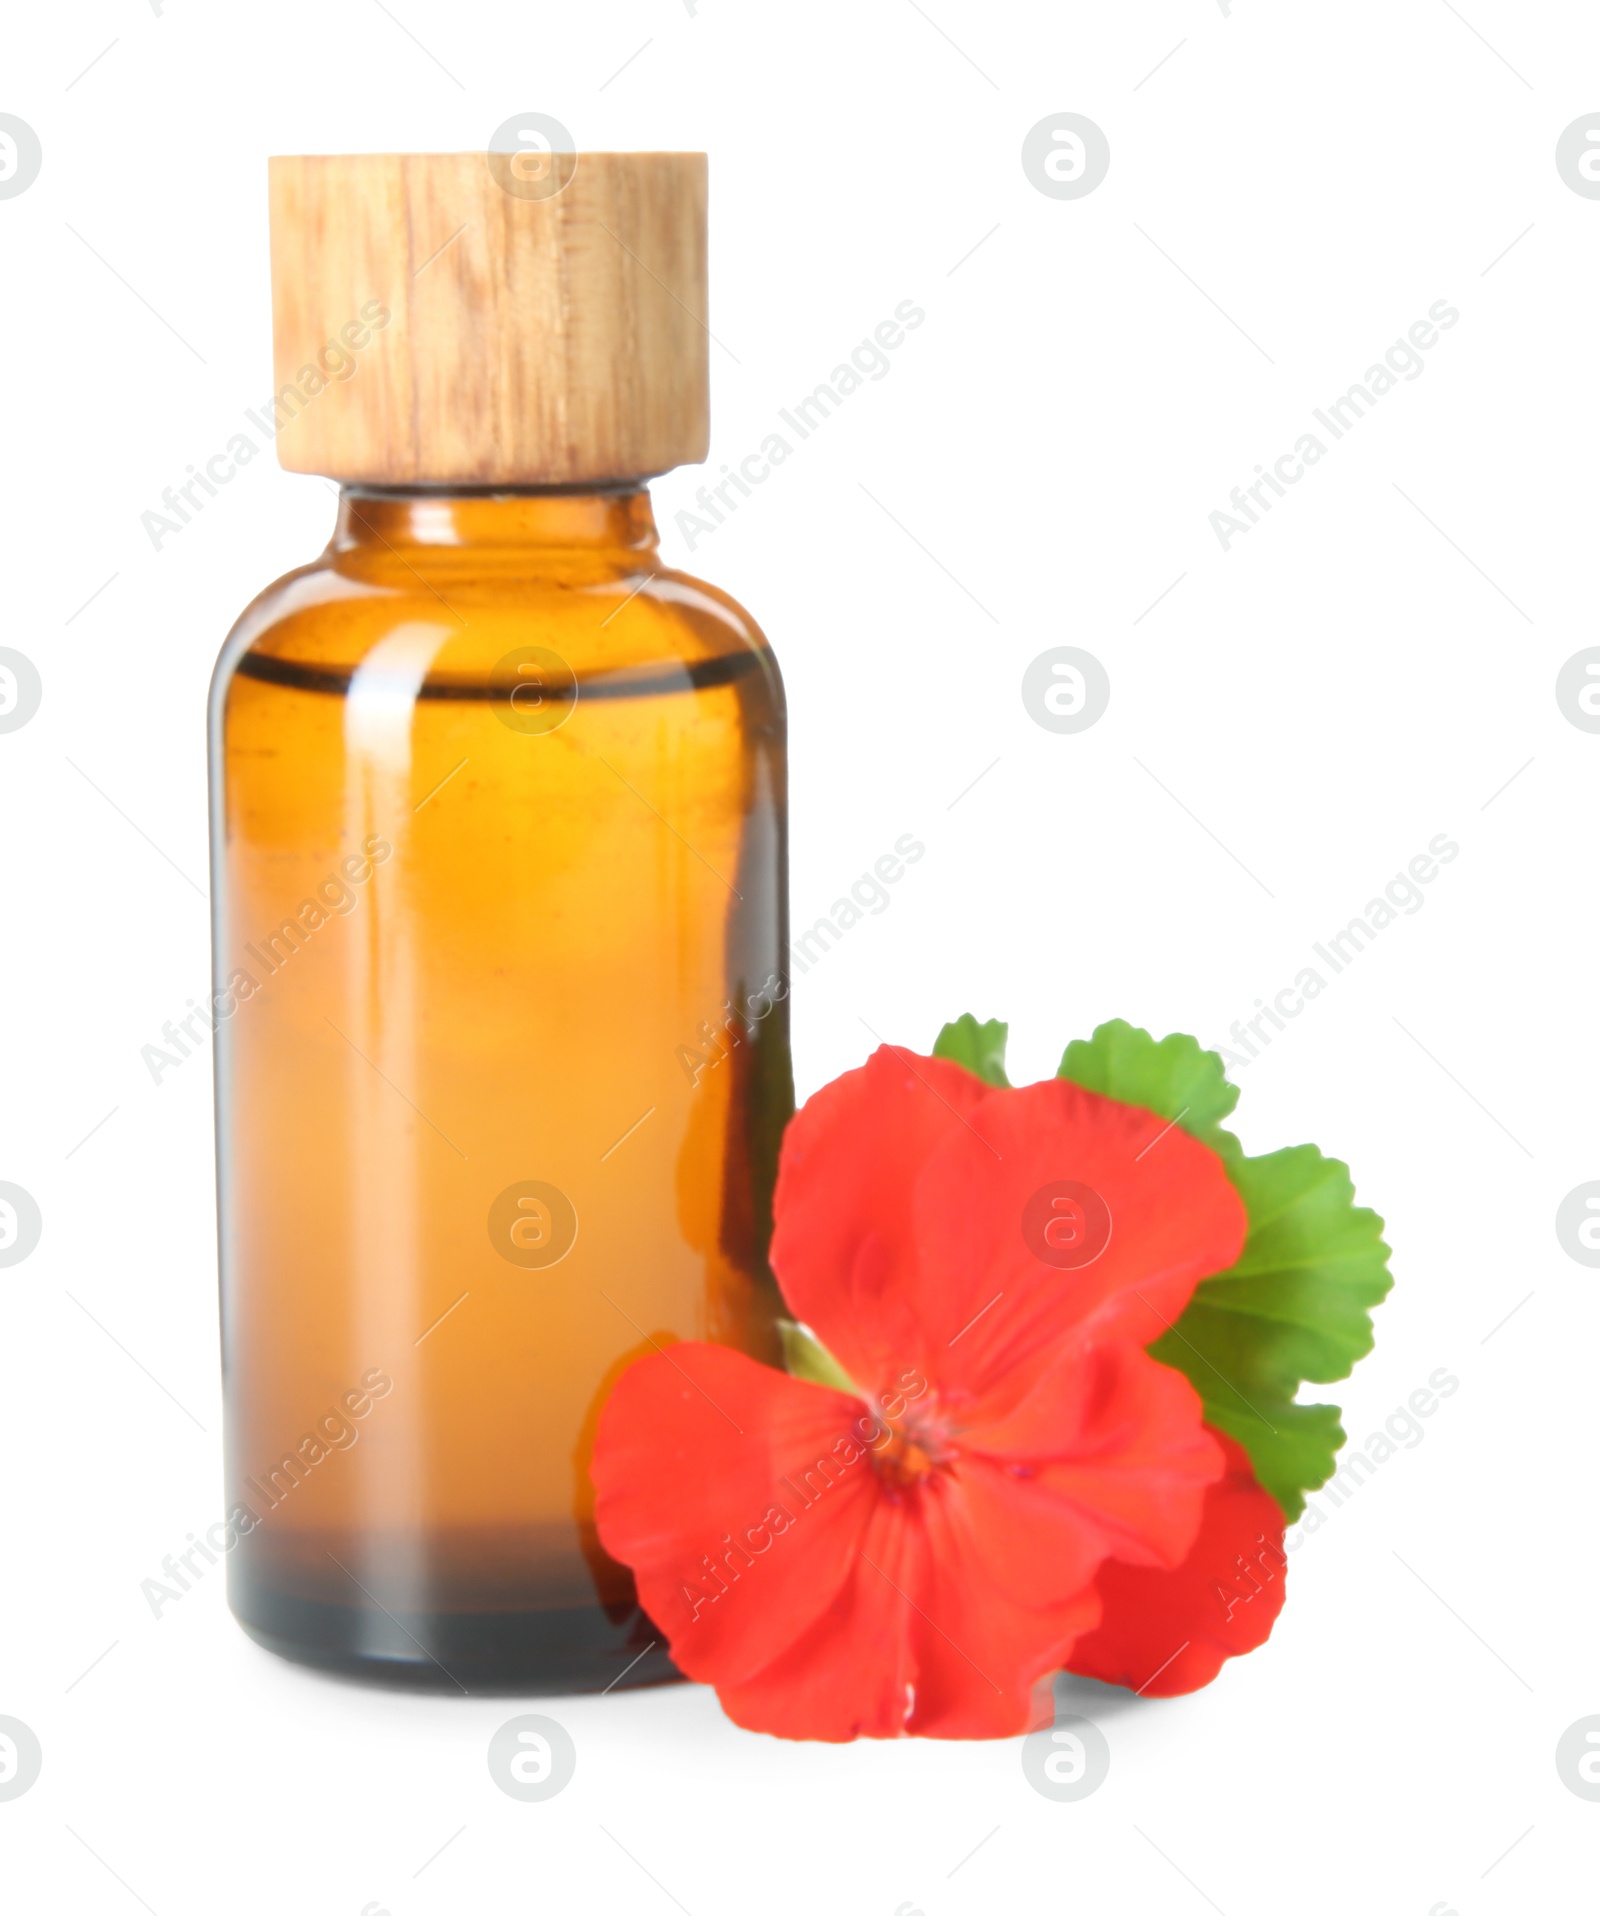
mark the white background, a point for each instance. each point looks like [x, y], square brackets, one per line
[1365, 669]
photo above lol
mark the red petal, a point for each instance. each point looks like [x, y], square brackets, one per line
[991, 1303]
[931, 1634]
[691, 1458]
[1165, 1632]
[899, 1224]
[1119, 1439]
[852, 1673]
[981, 1648]
[847, 1181]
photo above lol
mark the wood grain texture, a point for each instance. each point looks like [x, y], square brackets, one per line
[529, 341]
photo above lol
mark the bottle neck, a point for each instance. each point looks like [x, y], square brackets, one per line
[613, 523]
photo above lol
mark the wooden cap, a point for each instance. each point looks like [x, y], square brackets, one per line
[503, 318]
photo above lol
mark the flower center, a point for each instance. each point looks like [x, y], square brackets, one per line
[915, 1449]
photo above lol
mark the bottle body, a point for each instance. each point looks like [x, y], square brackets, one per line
[501, 1018]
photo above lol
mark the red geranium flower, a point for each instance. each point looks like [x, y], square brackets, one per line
[1166, 1632]
[915, 1554]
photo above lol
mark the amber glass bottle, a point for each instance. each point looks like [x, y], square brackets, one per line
[500, 981]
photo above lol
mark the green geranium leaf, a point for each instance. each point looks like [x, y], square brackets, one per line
[1174, 1078]
[1296, 1306]
[980, 1047]
[807, 1356]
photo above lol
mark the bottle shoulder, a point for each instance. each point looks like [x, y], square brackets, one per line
[327, 618]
